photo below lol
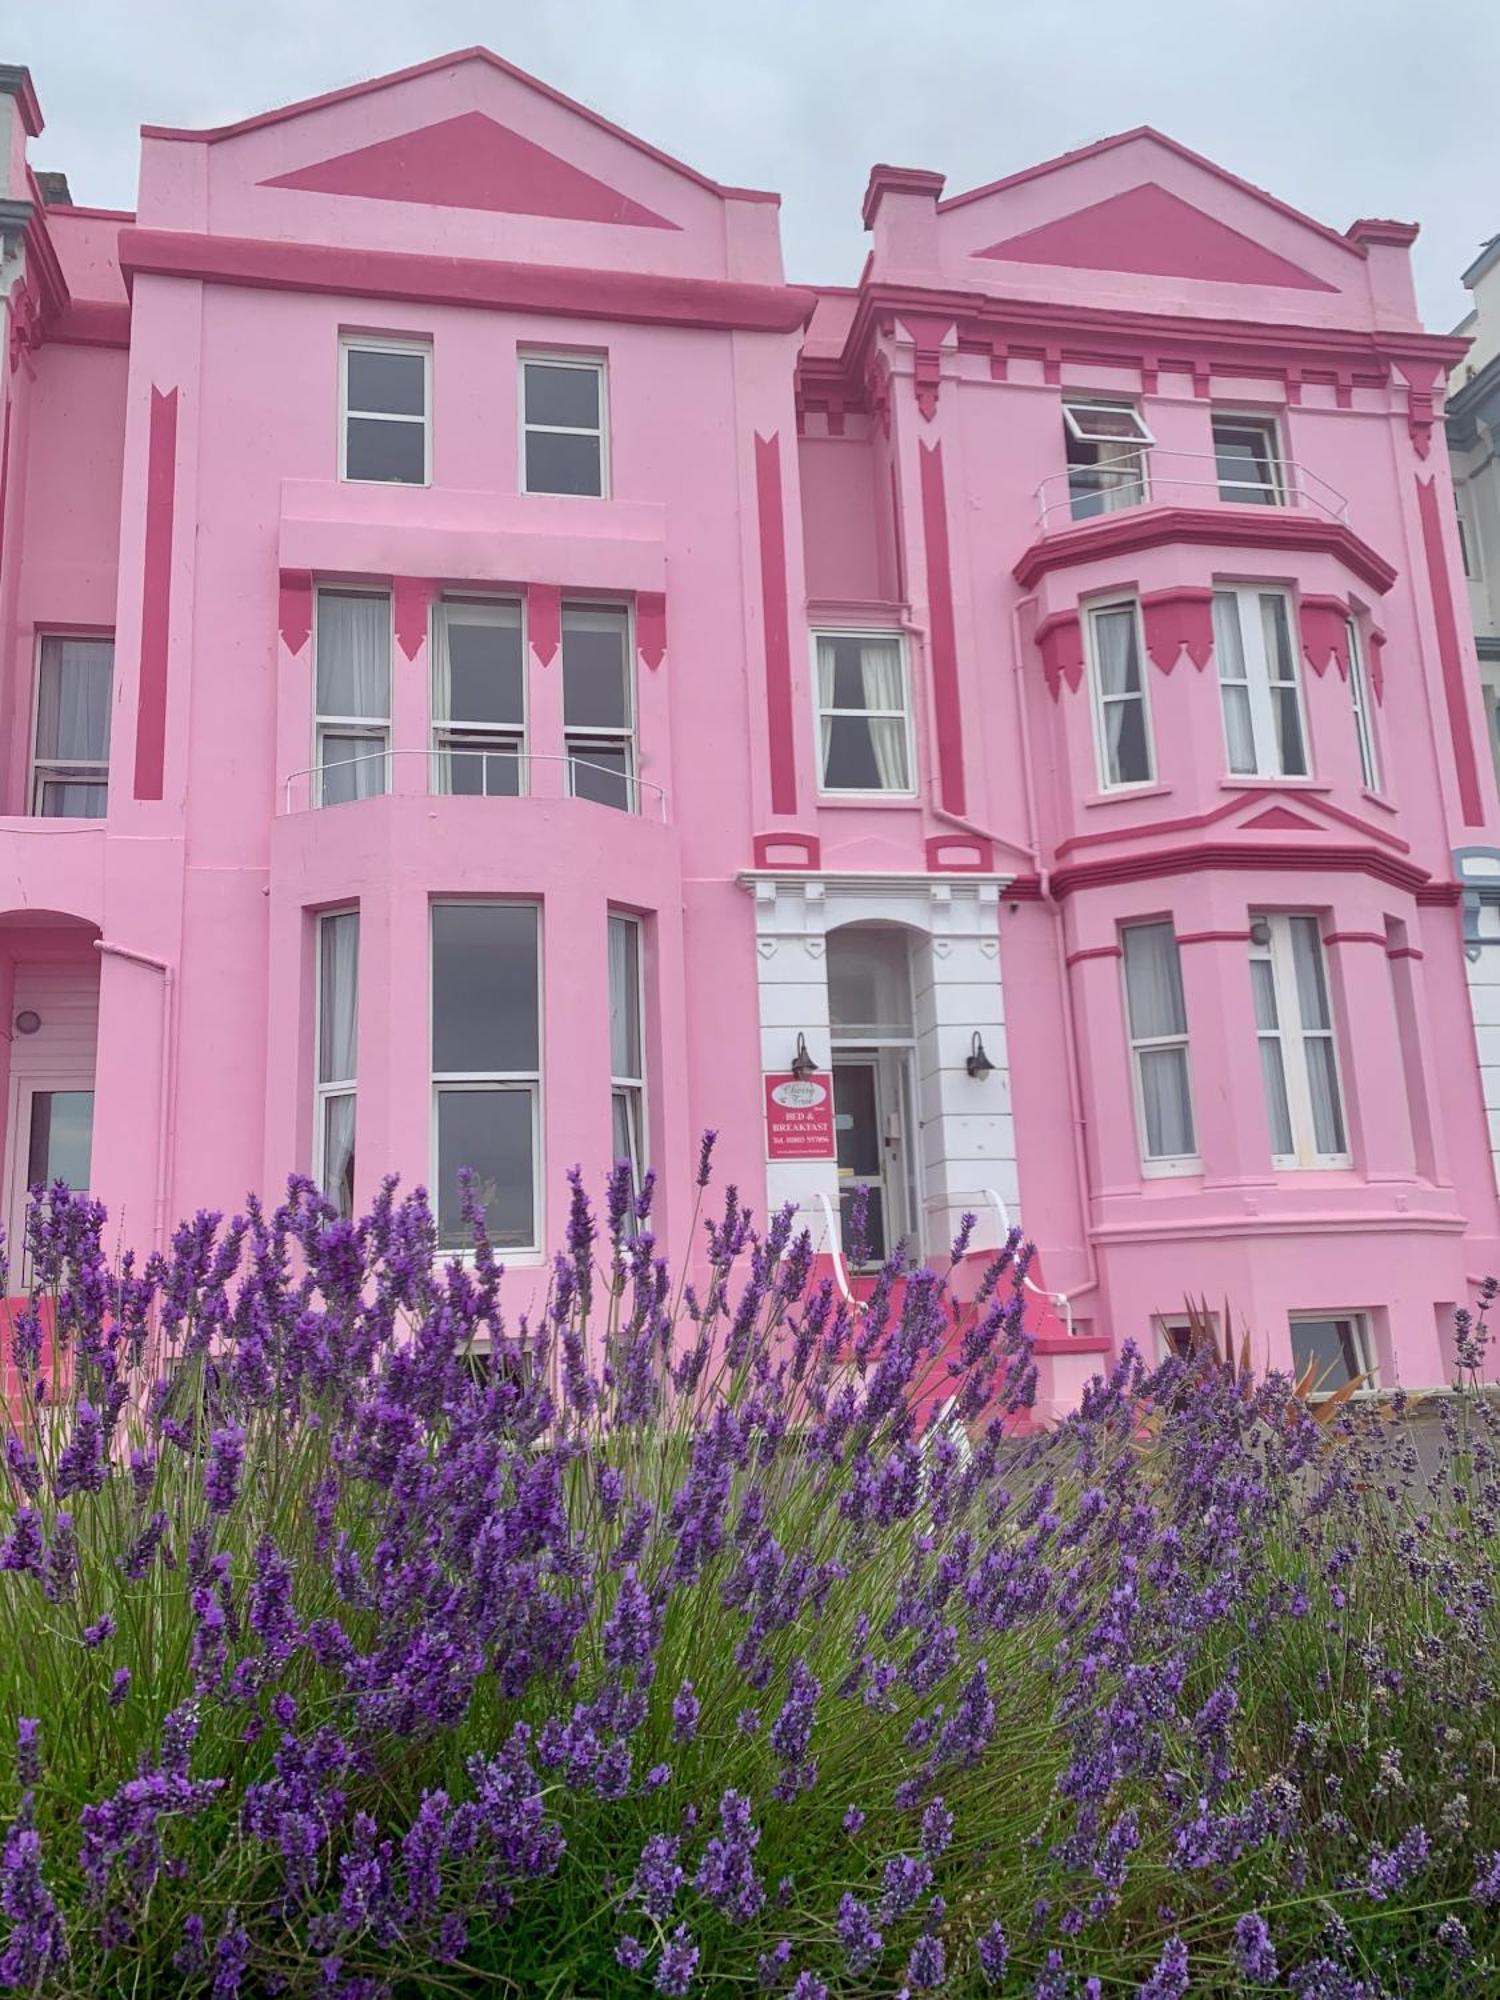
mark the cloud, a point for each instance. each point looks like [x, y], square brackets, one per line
[1340, 107]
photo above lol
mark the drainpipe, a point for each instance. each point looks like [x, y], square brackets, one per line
[1069, 1020]
[166, 1106]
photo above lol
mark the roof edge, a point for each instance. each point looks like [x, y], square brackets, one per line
[212, 134]
[1115, 139]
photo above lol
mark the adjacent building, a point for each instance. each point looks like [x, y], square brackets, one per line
[493, 676]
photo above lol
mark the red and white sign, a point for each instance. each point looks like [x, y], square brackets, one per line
[799, 1118]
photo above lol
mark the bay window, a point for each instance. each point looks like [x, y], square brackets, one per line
[486, 1068]
[338, 1051]
[74, 696]
[1121, 718]
[1258, 685]
[626, 1057]
[1298, 1059]
[1157, 1016]
[478, 697]
[864, 726]
[352, 676]
[599, 705]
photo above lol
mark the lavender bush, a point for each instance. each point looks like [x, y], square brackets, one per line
[357, 1641]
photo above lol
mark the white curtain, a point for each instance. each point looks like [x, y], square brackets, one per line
[1153, 989]
[354, 656]
[1234, 686]
[1317, 1040]
[338, 1151]
[624, 1000]
[73, 700]
[338, 1028]
[880, 688]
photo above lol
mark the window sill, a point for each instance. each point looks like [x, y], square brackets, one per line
[1379, 799]
[1119, 795]
[1172, 1170]
[883, 801]
[1243, 782]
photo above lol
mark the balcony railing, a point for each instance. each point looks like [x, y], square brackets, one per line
[1155, 478]
[522, 774]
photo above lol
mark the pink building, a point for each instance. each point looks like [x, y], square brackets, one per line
[492, 674]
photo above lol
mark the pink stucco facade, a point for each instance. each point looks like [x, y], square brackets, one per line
[1110, 494]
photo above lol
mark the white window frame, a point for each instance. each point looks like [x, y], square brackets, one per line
[599, 363]
[1165, 1324]
[1364, 711]
[55, 770]
[350, 343]
[632, 1089]
[529, 1081]
[1132, 489]
[1468, 542]
[904, 714]
[1098, 700]
[577, 741]
[479, 738]
[1362, 1338]
[1293, 1036]
[378, 733]
[1157, 1166]
[1251, 420]
[324, 1089]
[1258, 683]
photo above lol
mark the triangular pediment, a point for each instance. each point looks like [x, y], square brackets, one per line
[471, 161]
[1278, 819]
[1149, 231]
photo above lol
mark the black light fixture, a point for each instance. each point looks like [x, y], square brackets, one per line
[977, 1063]
[803, 1065]
[28, 1021]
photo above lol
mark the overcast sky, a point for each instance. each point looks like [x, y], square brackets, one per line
[1341, 107]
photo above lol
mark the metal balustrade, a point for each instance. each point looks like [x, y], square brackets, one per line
[504, 774]
[1152, 477]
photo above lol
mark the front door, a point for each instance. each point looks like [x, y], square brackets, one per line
[51, 1139]
[870, 1120]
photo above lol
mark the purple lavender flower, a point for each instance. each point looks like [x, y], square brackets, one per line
[630, 1952]
[1254, 1952]
[727, 1875]
[226, 1459]
[854, 1821]
[659, 1875]
[926, 1969]
[37, 1945]
[770, 1966]
[1170, 1979]
[101, 1630]
[862, 1942]
[677, 1964]
[937, 1829]
[1486, 1889]
[994, 1953]
[28, 1751]
[807, 1986]
[1387, 1873]
[119, 1686]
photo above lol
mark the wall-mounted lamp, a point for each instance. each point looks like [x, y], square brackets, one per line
[28, 1021]
[803, 1065]
[977, 1063]
[1260, 931]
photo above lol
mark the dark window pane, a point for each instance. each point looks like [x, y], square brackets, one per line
[489, 1133]
[478, 770]
[393, 383]
[850, 765]
[396, 453]
[601, 772]
[61, 1138]
[72, 798]
[595, 681]
[874, 1220]
[855, 1118]
[484, 997]
[1126, 720]
[1333, 1344]
[486, 675]
[560, 462]
[848, 674]
[557, 394]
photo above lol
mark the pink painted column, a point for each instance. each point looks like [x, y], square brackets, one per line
[547, 777]
[396, 1051]
[1369, 1038]
[411, 677]
[575, 1041]
[1108, 1102]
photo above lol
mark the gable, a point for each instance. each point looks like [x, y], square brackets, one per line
[471, 161]
[1149, 231]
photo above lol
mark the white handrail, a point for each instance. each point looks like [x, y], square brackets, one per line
[952, 1196]
[1150, 477]
[523, 759]
[820, 1204]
